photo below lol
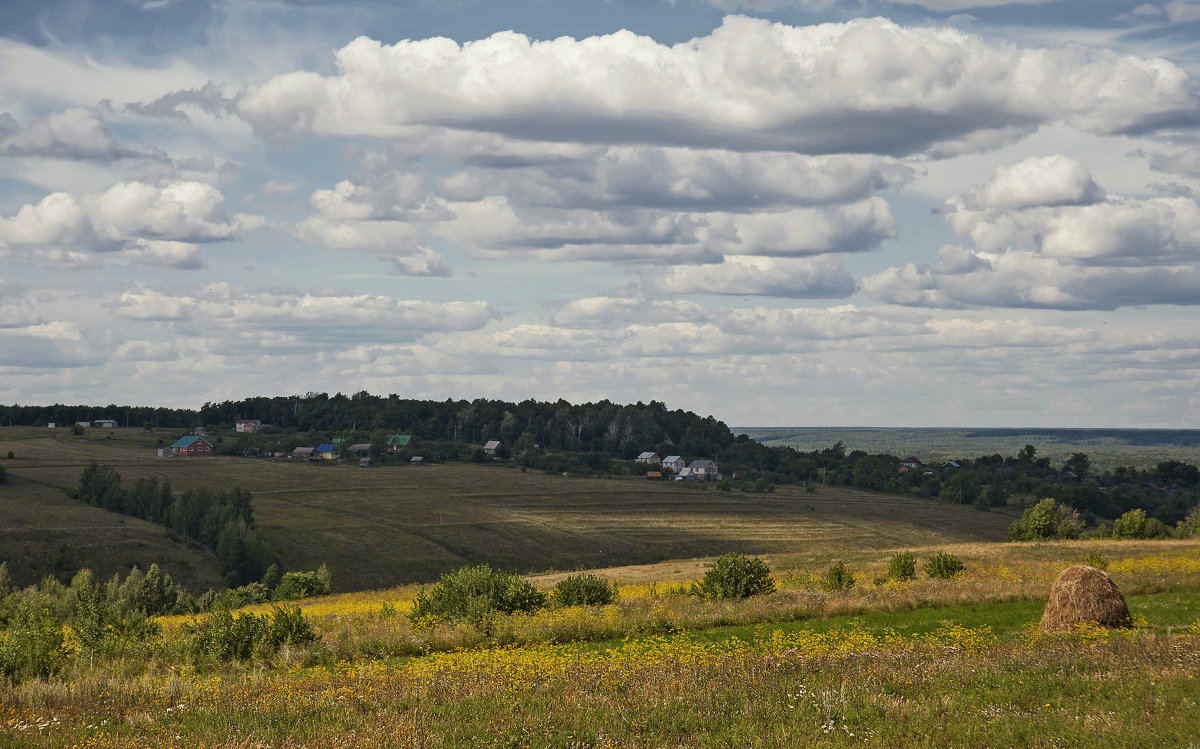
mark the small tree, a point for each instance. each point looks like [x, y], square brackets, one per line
[736, 576]
[1130, 525]
[584, 590]
[838, 577]
[945, 566]
[902, 567]
[1048, 519]
[476, 595]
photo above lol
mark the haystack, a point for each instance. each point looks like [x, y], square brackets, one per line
[1084, 595]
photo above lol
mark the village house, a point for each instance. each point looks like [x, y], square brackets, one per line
[650, 458]
[397, 442]
[249, 426]
[304, 453]
[191, 446]
[491, 446]
[105, 423]
[326, 451]
[675, 462]
[704, 470]
[911, 463]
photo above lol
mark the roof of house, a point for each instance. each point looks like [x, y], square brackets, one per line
[701, 463]
[248, 421]
[399, 440]
[360, 447]
[185, 441]
[671, 458]
[303, 451]
[491, 444]
[647, 456]
[416, 459]
[326, 448]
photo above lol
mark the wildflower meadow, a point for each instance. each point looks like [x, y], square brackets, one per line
[927, 661]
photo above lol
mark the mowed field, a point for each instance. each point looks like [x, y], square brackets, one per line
[394, 524]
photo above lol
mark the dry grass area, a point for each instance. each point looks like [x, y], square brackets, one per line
[399, 523]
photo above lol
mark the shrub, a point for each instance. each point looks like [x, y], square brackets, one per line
[902, 567]
[736, 576]
[476, 595]
[1130, 525]
[944, 566]
[584, 590]
[33, 644]
[1096, 560]
[226, 637]
[295, 585]
[838, 577]
[1048, 519]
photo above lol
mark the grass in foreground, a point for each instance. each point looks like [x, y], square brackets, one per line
[930, 663]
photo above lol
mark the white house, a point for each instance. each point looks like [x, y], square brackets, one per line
[675, 462]
[491, 446]
[651, 458]
[248, 426]
[105, 423]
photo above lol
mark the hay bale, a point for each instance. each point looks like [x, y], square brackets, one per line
[1084, 595]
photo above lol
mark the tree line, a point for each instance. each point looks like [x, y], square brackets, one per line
[222, 520]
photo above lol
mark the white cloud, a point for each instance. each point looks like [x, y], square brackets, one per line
[1046, 236]
[1049, 180]
[76, 133]
[495, 228]
[683, 179]
[812, 278]
[302, 317]
[132, 216]
[866, 85]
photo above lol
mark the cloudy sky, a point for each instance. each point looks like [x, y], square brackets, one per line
[777, 212]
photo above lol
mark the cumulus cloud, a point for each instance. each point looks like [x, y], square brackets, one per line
[148, 223]
[1045, 236]
[813, 278]
[684, 179]
[1185, 162]
[1048, 180]
[868, 85]
[494, 227]
[304, 317]
[76, 133]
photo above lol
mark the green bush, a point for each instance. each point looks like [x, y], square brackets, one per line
[296, 585]
[736, 576]
[1048, 519]
[225, 637]
[33, 644]
[902, 567]
[944, 566]
[1130, 525]
[584, 590]
[1096, 560]
[476, 595]
[838, 577]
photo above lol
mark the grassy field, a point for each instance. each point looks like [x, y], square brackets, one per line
[1107, 448]
[929, 663]
[393, 524]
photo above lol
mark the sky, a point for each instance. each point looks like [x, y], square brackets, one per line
[776, 212]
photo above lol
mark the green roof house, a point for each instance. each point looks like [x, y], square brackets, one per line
[397, 442]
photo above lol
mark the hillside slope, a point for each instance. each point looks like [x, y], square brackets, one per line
[399, 523]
